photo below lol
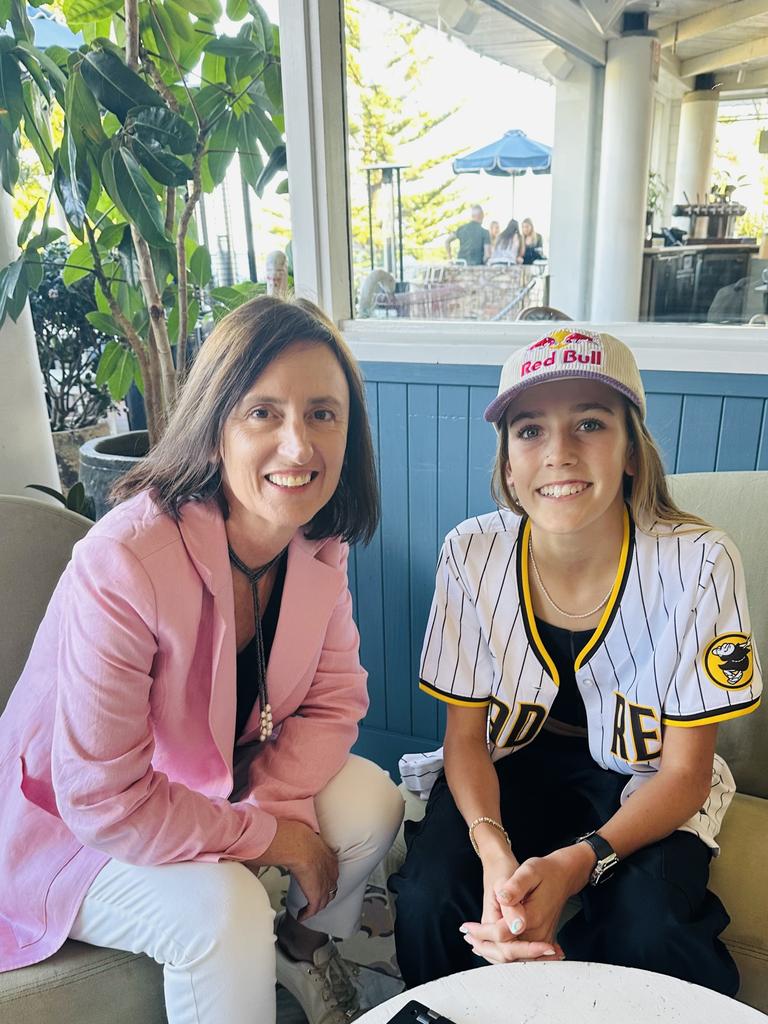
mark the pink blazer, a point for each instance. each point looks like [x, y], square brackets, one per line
[118, 738]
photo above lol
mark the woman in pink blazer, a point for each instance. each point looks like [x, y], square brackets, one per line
[189, 704]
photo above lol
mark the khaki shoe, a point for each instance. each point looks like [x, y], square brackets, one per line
[324, 988]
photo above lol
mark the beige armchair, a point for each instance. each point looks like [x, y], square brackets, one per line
[737, 502]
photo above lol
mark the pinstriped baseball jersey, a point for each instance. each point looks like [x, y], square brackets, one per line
[673, 648]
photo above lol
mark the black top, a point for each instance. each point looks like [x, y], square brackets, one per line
[247, 686]
[563, 647]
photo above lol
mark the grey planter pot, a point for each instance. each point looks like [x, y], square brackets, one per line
[104, 459]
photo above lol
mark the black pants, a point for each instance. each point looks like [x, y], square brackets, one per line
[655, 912]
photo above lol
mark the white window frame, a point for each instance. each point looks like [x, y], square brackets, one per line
[314, 87]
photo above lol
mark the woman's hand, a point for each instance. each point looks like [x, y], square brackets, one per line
[309, 859]
[531, 902]
[497, 868]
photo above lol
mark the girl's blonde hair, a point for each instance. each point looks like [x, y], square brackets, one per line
[646, 492]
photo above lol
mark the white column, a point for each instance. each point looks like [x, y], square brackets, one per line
[695, 148]
[26, 448]
[314, 96]
[631, 72]
[574, 162]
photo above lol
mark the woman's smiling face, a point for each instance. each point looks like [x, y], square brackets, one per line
[282, 447]
[568, 451]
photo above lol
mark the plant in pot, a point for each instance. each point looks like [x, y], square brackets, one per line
[69, 349]
[156, 105]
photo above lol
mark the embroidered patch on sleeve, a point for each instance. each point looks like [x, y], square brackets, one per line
[728, 661]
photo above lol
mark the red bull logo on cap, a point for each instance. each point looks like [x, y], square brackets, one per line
[565, 348]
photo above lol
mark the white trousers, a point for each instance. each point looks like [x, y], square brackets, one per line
[211, 924]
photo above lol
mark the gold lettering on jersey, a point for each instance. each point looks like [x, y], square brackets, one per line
[728, 661]
[618, 742]
[526, 726]
[498, 716]
[646, 741]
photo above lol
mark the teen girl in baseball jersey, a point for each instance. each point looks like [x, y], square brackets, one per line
[588, 638]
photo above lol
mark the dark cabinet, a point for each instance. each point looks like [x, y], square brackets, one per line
[680, 284]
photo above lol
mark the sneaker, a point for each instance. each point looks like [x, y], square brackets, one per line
[324, 988]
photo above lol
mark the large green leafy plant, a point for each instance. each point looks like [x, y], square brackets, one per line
[156, 104]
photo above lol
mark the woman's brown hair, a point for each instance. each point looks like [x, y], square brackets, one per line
[646, 492]
[184, 465]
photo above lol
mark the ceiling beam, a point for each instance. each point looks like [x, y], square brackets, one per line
[558, 21]
[747, 82]
[743, 53]
[604, 13]
[722, 16]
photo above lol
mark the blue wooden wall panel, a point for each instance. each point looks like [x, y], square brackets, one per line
[423, 538]
[393, 468]
[435, 454]
[369, 606]
[699, 430]
[663, 420]
[739, 433]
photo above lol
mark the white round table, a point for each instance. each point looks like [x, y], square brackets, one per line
[568, 992]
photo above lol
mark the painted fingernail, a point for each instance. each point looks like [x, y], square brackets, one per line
[549, 952]
[463, 929]
[517, 925]
[503, 896]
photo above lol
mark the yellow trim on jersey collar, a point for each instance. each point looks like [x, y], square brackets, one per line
[608, 612]
[605, 619]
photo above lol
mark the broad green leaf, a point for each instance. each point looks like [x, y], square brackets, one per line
[5, 11]
[221, 148]
[111, 236]
[28, 58]
[115, 86]
[18, 297]
[163, 167]
[274, 85]
[168, 42]
[237, 9]
[133, 195]
[200, 266]
[180, 21]
[251, 163]
[282, 188]
[33, 271]
[209, 10]
[37, 125]
[227, 46]
[111, 353]
[26, 225]
[122, 376]
[11, 97]
[164, 263]
[104, 323]
[71, 191]
[267, 134]
[277, 162]
[9, 159]
[128, 262]
[214, 69]
[45, 237]
[97, 30]
[82, 113]
[210, 103]
[262, 27]
[165, 128]
[79, 264]
[20, 23]
[80, 13]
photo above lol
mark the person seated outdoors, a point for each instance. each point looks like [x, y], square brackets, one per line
[474, 240]
[494, 228]
[508, 245]
[588, 637]
[186, 714]
[533, 246]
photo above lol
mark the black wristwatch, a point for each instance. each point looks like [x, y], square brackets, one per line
[607, 858]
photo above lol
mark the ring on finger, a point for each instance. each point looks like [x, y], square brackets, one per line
[332, 892]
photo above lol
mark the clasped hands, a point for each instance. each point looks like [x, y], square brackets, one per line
[522, 908]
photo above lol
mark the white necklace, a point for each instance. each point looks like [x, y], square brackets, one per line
[558, 609]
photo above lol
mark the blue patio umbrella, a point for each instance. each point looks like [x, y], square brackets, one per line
[511, 155]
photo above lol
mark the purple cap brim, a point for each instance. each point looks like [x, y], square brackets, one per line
[498, 406]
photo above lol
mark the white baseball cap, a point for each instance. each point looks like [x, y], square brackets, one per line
[566, 353]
